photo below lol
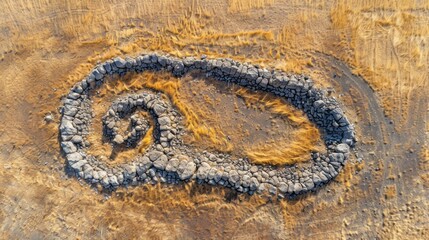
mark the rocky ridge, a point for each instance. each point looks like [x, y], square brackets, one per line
[168, 160]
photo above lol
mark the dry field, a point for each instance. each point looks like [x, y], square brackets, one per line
[374, 55]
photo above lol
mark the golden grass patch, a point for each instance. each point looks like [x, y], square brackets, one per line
[305, 139]
[235, 6]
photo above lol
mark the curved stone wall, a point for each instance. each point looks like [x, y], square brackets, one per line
[169, 160]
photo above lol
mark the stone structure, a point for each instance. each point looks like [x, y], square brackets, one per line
[169, 160]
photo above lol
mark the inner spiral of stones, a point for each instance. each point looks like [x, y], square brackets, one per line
[120, 109]
[169, 160]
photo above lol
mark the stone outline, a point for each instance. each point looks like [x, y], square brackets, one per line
[168, 160]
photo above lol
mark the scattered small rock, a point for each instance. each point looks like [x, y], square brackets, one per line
[48, 118]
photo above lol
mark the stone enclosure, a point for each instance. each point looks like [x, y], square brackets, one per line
[169, 160]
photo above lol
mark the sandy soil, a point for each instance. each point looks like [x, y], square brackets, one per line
[45, 46]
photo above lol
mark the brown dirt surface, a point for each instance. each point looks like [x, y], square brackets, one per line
[373, 55]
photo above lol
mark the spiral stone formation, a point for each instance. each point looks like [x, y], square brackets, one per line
[169, 160]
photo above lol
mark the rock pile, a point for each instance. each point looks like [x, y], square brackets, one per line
[169, 160]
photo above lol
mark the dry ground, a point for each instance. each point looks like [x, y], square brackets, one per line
[46, 46]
